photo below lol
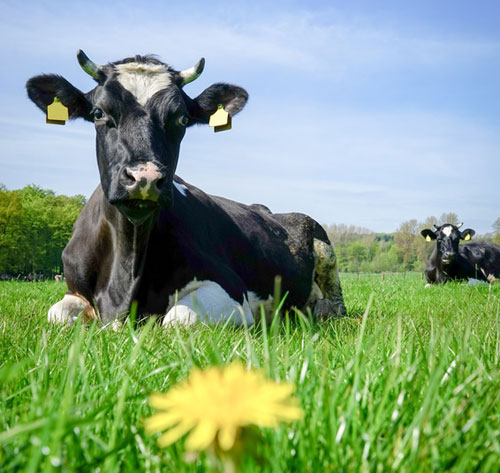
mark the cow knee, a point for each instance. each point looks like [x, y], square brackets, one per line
[67, 310]
[180, 314]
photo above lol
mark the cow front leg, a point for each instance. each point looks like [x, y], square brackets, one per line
[69, 308]
[207, 302]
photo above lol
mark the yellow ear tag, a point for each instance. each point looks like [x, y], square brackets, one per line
[427, 238]
[220, 120]
[57, 113]
[467, 237]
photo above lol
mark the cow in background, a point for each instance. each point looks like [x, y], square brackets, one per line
[450, 260]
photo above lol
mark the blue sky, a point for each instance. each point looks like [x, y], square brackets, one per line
[360, 112]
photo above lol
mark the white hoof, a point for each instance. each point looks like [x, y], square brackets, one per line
[67, 310]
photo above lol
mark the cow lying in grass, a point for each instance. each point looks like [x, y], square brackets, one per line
[450, 260]
[145, 235]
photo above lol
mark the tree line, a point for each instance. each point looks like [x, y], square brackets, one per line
[36, 225]
[361, 250]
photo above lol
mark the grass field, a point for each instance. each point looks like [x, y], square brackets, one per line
[409, 382]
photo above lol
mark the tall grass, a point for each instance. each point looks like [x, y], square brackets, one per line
[409, 382]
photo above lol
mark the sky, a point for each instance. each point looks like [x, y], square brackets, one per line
[360, 112]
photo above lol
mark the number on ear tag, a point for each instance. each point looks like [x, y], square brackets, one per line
[220, 120]
[57, 113]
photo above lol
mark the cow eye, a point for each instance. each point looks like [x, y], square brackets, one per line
[183, 120]
[98, 114]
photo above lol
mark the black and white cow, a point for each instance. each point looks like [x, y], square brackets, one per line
[147, 236]
[450, 260]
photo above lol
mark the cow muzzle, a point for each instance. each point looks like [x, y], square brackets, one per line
[448, 258]
[143, 182]
[143, 187]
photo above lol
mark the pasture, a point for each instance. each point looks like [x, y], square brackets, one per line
[408, 382]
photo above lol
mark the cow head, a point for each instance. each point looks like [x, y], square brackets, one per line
[140, 113]
[447, 238]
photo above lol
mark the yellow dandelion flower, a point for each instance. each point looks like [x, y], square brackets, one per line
[214, 404]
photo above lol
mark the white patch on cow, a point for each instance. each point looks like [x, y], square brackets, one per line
[324, 269]
[476, 282]
[208, 302]
[181, 188]
[143, 80]
[315, 295]
[67, 310]
[492, 278]
[256, 303]
[447, 230]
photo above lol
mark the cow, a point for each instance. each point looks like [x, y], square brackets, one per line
[450, 260]
[148, 238]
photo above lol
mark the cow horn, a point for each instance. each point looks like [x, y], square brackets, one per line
[459, 224]
[90, 67]
[191, 74]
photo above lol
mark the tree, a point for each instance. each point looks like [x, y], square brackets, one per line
[496, 225]
[496, 228]
[449, 217]
[11, 226]
[35, 226]
[404, 240]
[341, 233]
[357, 254]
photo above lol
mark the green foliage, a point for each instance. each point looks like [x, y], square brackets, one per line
[496, 229]
[360, 250]
[408, 383]
[35, 226]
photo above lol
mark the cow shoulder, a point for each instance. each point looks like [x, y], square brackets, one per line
[88, 256]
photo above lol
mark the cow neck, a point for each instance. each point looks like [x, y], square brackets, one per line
[130, 244]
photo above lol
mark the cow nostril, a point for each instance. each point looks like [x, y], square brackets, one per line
[128, 177]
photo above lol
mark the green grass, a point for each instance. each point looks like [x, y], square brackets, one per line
[409, 382]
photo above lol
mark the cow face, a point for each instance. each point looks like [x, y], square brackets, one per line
[447, 238]
[140, 113]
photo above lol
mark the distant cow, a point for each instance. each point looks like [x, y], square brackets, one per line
[450, 260]
[145, 235]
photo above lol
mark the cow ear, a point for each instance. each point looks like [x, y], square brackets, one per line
[231, 97]
[428, 234]
[467, 234]
[44, 88]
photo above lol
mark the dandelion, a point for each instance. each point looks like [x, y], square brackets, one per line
[214, 405]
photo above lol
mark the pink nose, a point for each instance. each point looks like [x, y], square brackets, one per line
[143, 181]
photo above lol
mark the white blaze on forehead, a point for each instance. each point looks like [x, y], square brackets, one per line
[143, 80]
[447, 230]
